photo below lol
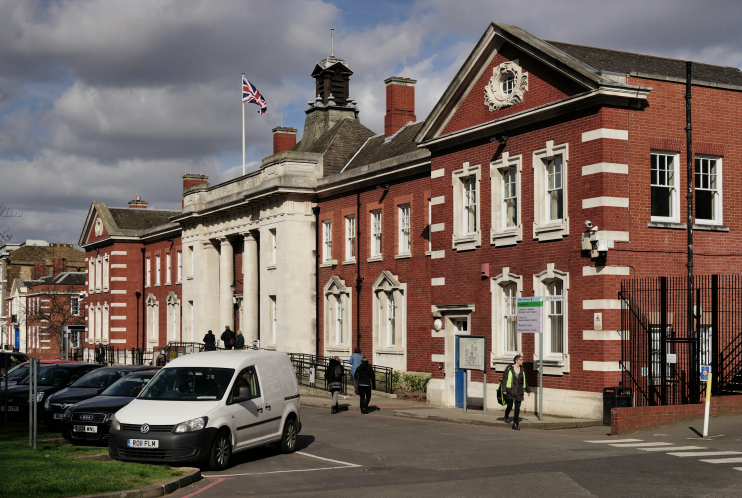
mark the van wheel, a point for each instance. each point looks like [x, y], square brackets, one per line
[221, 450]
[288, 441]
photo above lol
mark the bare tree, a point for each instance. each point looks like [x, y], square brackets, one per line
[5, 234]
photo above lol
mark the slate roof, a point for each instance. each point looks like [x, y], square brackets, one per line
[338, 144]
[140, 219]
[626, 62]
[63, 278]
[378, 148]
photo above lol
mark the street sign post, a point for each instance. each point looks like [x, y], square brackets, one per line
[472, 356]
[531, 321]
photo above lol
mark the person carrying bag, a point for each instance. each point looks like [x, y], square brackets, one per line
[514, 384]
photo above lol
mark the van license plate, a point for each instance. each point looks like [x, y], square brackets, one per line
[58, 416]
[10, 408]
[84, 428]
[142, 443]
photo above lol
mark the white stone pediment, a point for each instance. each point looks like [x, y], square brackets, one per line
[335, 286]
[386, 282]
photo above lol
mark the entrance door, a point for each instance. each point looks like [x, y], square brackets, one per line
[460, 328]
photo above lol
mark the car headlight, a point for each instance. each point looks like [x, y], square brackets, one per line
[46, 403]
[67, 413]
[115, 424]
[39, 397]
[195, 424]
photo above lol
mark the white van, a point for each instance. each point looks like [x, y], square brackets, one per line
[206, 406]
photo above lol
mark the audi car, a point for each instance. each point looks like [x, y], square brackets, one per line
[89, 386]
[87, 422]
[52, 378]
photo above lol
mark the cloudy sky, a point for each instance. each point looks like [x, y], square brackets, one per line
[104, 100]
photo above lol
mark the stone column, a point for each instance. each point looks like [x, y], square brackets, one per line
[226, 278]
[250, 300]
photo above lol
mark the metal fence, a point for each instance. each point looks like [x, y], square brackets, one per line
[660, 359]
[384, 375]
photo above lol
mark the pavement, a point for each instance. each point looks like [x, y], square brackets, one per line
[383, 455]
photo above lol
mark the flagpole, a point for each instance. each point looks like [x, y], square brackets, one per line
[243, 131]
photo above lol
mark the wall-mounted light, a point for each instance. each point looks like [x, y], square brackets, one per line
[437, 324]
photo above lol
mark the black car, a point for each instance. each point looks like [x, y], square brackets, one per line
[52, 378]
[89, 386]
[88, 421]
[9, 361]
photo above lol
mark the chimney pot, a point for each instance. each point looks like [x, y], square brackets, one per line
[39, 270]
[283, 139]
[60, 265]
[400, 104]
[138, 203]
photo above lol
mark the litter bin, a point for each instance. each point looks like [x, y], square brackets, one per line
[615, 397]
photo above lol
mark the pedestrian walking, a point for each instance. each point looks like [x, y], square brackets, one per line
[334, 377]
[514, 382]
[162, 360]
[239, 343]
[355, 360]
[210, 341]
[99, 354]
[228, 338]
[366, 381]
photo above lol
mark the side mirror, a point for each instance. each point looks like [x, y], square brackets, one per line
[242, 393]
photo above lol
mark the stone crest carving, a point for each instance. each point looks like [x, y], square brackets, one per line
[98, 227]
[506, 86]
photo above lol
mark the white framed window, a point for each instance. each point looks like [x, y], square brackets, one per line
[505, 288]
[173, 317]
[708, 190]
[91, 275]
[466, 208]
[168, 268]
[153, 320]
[405, 234]
[350, 238]
[148, 272]
[98, 274]
[75, 306]
[507, 227]
[191, 269]
[430, 225]
[180, 266]
[106, 272]
[550, 192]
[327, 241]
[106, 324]
[274, 246]
[664, 177]
[157, 270]
[376, 233]
[554, 283]
[508, 84]
[91, 324]
[274, 318]
[389, 319]
[338, 309]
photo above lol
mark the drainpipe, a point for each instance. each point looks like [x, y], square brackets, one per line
[695, 387]
[144, 316]
[359, 279]
[315, 211]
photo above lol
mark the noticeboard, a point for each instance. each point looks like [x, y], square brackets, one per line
[472, 352]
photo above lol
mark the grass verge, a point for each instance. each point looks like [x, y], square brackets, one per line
[51, 471]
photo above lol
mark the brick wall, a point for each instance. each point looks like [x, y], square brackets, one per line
[635, 419]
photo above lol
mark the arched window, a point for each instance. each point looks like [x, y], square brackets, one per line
[153, 320]
[389, 321]
[173, 317]
[337, 317]
[555, 284]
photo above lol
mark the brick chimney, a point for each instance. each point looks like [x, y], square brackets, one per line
[39, 270]
[138, 203]
[283, 139]
[400, 104]
[60, 265]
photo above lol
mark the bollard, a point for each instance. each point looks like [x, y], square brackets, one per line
[708, 407]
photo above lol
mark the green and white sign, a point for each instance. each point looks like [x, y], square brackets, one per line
[530, 315]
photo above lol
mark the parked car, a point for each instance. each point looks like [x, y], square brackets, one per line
[87, 422]
[21, 370]
[88, 386]
[10, 361]
[52, 378]
[204, 407]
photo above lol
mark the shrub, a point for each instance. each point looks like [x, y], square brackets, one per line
[410, 381]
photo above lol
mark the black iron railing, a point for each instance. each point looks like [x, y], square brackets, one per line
[384, 375]
[660, 358]
[303, 367]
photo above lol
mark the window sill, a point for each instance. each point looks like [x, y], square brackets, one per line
[551, 231]
[178, 282]
[157, 285]
[271, 267]
[403, 256]
[553, 366]
[329, 263]
[189, 278]
[390, 352]
[710, 228]
[168, 283]
[467, 242]
[666, 224]
[507, 237]
[349, 262]
[428, 253]
[375, 259]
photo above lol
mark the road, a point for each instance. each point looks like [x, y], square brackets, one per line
[379, 455]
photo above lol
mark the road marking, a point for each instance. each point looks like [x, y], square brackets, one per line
[204, 488]
[282, 472]
[327, 459]
[639, 445]
[737, 468]
[705, 453]
[616, 441]
[724, 460]
[676, 448]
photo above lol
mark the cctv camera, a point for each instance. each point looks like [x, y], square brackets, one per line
[589, 224]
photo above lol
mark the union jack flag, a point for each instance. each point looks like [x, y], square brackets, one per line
[251, 95]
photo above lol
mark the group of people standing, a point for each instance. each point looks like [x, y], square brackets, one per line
[362, 374]
[228, 337]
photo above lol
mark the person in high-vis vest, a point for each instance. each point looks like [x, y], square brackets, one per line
[514, 384]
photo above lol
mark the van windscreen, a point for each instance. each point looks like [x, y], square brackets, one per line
[189, 384]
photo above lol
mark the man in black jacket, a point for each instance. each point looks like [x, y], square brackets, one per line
[366, 381]
[228, 337]
[210, 341]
